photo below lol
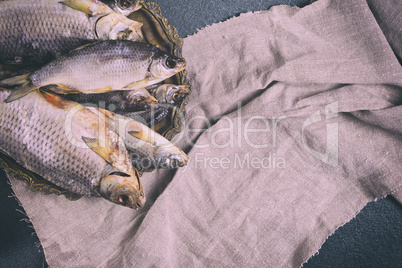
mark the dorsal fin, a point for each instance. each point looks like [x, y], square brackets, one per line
[98, 148]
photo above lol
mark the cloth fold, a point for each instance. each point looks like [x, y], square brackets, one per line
[293, 125]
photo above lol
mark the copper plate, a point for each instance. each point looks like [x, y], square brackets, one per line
[156, 31]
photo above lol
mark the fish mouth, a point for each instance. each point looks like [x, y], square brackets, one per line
[122, 190]
[181, 64]
[127, 198]
[170, 158]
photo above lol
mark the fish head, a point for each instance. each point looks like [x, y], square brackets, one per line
[170, 157]
[175, 93]
[164, 65]
[124, 7]
[141, 98]
[123, 189]
[115, 26]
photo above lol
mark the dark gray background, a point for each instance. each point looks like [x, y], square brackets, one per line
[372, 239]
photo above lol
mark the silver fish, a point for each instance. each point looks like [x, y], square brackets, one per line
[70, 146]
[101, 67]
[36, 32]
[148, 149]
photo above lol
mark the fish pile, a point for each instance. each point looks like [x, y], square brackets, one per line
[60, 59]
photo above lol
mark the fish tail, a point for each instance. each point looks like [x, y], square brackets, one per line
[25, 86]
[15, 81]
[20, 92]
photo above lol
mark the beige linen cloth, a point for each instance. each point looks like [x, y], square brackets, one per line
[293, 125]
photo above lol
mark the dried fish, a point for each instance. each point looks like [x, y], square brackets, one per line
[101, 67]
[148, 149]
[36, 32]
[70, 146]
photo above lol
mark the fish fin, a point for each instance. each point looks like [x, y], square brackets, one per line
[106, 112]
[97, 111]
[95, 146]
[89, 7]
[133, 127]
[145, 98]
[93, 109]
[16, 80]
[137, 85]
[62, 89]
[86, 45]
[101, 90]
[96, 91]
[153, 87]
[20, 92]
[153, 101]
[77, 6]
[54, 99]
[137, 134]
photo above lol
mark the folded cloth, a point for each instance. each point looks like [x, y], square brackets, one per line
[293, 125]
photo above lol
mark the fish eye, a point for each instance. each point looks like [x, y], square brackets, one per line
[124, 4]
[174, 163]
[123, 199]
[176, 97]
[123, 35]
[170, 63]
[142, 98]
